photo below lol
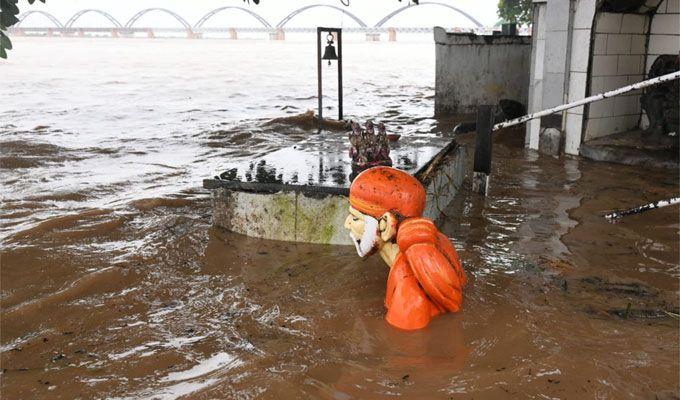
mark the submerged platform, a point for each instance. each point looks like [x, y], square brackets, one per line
[299, 193]
[634, 148]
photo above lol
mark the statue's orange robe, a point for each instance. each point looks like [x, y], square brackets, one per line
[426, 278]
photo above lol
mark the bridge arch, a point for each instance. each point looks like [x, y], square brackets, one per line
[425, 3]
[290, 16]
[140, 14]
[217, 10]
[80, 13]
[49, 16]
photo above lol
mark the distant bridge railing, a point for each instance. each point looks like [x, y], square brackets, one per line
[133, 30]
[265, 24]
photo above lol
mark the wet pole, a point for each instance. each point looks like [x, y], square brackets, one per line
[483, 149]
[339, 31]
[318, 73]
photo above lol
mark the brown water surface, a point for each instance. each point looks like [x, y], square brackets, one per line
[115, 285]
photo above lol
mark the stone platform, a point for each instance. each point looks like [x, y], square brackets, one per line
[299, 193]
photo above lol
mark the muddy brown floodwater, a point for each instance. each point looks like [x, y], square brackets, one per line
[562, 304]
[108, 295]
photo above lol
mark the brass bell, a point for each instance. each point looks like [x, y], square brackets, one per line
[329, 53]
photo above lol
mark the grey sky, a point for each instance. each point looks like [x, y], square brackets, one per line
[370, 11]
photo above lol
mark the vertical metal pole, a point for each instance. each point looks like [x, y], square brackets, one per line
[339, 74]
[318, 72]
[482, 164]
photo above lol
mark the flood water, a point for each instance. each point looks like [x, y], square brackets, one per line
[114, 284]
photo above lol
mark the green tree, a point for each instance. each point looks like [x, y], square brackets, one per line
[517, 11]
[8, 17]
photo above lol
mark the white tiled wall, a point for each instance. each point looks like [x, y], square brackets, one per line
[664, 35]
[618, 60]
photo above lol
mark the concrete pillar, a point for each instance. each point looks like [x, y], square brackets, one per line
[392, 34]
[233, 34]
[114, 33]
[81, 32]
[50, 32]
[150, 34]
[372, 37]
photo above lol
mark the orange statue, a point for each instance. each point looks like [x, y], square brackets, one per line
[426, 278]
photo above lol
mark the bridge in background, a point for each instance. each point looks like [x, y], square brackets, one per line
[276, 32]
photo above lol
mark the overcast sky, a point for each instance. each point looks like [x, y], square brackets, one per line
[370, 11]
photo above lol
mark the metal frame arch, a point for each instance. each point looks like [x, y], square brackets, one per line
[424, 3]
[141, 13]
[217, 10]
[290, 16]
[49, 16]
[80, 13]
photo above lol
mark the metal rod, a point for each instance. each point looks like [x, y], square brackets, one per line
[636, 210]
[339, 74]
[597, 97]
[318, 73]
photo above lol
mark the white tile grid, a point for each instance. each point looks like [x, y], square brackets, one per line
[604, 65]
[600, 44]
[655, 3]
[633, 23]
[665, 24]
[618, 43]
[673, 6]
[608, 22]
[663, 44]
[637, 44]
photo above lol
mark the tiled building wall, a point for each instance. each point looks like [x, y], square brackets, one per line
[664, 35]
[618, 60]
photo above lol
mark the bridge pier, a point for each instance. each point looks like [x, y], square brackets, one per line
[193, 35]
[278, 35]
[115, 33]
[372, 37]
[81, 32]
[150, 34]
[233, 34]
[50, 32]
[392, 34]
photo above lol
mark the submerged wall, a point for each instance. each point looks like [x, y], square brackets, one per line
[309, 214]
[472, 70]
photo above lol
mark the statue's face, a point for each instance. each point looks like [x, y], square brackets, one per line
[363, 229]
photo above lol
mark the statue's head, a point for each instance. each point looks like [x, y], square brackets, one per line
[380, 199]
